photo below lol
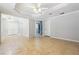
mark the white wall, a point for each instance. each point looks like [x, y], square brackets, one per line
[65, 26]
[11, 25]
[24, 26]
[31, 28]
[0, 28]
[46, 26]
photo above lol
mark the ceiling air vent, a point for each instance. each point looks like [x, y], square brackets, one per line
[50, 13]
[61, 13]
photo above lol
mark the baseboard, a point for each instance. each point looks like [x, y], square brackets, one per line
[64, 39]
[46, 36]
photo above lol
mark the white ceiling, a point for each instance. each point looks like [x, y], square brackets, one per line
[70, 7]
[53, 9]
[9, 8]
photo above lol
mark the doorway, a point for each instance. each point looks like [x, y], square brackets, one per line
[38, 28]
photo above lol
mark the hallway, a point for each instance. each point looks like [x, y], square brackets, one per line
[38, 46]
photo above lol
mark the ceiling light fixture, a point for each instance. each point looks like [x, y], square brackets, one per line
[29, 7]
[37, 8]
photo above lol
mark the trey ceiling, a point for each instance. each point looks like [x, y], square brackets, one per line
[38, 10]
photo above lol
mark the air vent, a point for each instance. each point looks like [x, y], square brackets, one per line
[50, 13]
[61, 13]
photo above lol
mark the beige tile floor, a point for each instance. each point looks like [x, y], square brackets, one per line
[38, 46]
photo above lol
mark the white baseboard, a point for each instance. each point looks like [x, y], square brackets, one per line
[64, 39]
